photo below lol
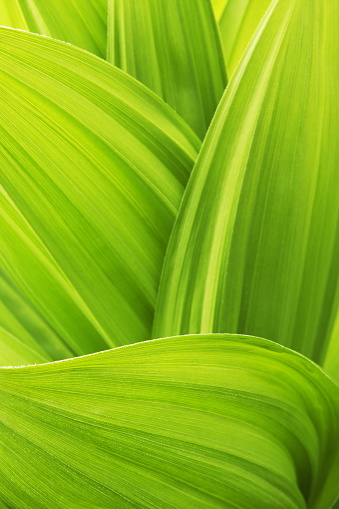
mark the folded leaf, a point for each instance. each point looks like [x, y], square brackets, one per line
[194, 422]
[173, 47]
[81, 23]
[254, 250]
[92, 171]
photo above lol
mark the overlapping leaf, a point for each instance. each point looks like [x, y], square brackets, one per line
[219, 7]
[25, 336]
[238, 20]
[194, 422]
[173, 47]
[92, 170]
[81, 23]
[254, 249]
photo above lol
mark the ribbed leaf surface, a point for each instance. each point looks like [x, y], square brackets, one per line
[254, 249]
[81, 23]
[195, 422]
[238, 21]
[173, 47]
[92, 171]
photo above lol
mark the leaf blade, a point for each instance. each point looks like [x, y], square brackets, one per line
[234, 261]
[83, 25]
[215, 402]
[238, 22]
[85, 147]
[146, 39]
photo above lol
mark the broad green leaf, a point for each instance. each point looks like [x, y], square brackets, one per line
[174, 48]
[238, 21]
[83, 23]
[196, 422]
[92, 171]
[253, 250]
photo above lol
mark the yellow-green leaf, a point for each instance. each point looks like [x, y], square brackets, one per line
[191, 422]
[219, 7]
[331, 362]
[81, 23]
[92, 170]
[174, 48]
[254, 248]
[25, 336]
[238, 21]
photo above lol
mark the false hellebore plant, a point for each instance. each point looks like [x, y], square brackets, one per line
[107, 243]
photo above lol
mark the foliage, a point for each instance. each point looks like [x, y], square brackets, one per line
[142, 196]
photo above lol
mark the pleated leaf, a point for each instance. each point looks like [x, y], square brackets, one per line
[174, 48]
[254, 249]
[196, 422]
[81, 23]
[92, 171]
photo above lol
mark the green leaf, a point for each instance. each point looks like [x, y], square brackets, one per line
[331, 362]
[81, 23]
[14, 351]
[92, 171]
[34, 339]
[194, 422]
[238, 21]
[254, 249]
[219, 7]
[174, 48]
